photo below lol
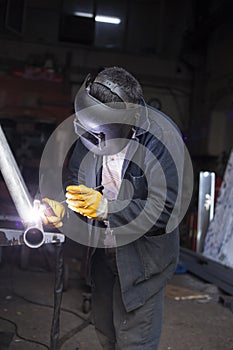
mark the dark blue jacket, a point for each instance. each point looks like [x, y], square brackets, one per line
[145, 214]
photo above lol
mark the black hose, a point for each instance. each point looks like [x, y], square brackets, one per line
[33, 341]
[72, 332]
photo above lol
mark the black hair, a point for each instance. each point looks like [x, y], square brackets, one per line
[125, 81]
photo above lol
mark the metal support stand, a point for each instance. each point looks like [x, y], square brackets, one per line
[31, 233]
[58, 289]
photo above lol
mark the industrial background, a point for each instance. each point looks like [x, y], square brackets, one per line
[181, 51]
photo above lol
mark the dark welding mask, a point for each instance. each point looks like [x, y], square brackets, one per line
[104, 128]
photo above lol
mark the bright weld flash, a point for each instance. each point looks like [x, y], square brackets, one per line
[34, 215]
[34, 235]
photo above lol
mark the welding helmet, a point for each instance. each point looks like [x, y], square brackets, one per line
[104, 128]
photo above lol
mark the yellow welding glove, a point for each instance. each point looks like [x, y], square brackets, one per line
[53, 213]
[86, 201]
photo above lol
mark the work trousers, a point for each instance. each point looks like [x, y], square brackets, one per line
[116, 328]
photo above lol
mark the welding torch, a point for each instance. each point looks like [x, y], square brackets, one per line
[94, 188]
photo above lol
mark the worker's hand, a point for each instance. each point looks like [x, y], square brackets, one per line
[53, 213]
[85, 201]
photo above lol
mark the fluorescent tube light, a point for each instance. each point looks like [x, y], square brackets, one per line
[98, 18]
[106, 19]
[84, 14]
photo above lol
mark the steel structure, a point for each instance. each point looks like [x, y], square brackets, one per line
[31, 233]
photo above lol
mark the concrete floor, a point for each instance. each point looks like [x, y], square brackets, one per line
[198, 324]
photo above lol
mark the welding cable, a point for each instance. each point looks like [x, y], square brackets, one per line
[75, 313]
[86, 320]
[71, 333]
[20, 336]
[55, 342]
[35, 302]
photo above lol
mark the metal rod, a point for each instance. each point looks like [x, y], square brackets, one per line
[14, 180]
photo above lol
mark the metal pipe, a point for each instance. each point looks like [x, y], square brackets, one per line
[34, 234]
[14, 180]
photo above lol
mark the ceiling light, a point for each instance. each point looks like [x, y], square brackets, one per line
[106, 19]
[84, 14]
[99, 18]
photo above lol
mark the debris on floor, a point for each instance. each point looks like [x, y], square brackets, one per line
[181, 293]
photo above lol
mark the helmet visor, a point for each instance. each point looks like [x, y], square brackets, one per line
[97, 139]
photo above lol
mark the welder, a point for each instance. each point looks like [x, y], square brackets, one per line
[125, 184]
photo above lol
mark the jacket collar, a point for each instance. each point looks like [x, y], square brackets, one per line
[142, 122]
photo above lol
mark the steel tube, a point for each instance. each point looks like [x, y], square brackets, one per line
[34, 235]
[14, 180]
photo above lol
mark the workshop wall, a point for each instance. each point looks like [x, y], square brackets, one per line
[184, 66]
[161, 79]
[143, 49]
[32, 94]
[220, 90]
